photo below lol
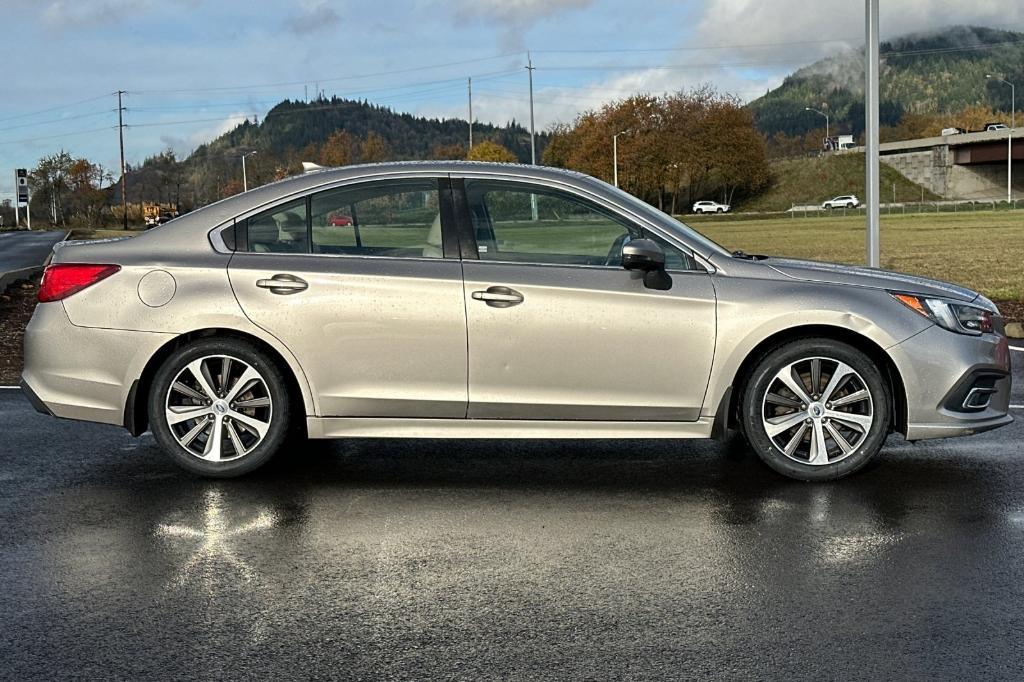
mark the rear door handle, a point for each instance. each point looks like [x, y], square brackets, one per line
[499, 297]
[283, 284]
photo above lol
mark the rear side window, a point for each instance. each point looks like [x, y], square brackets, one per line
[396, 219]
[281, 229]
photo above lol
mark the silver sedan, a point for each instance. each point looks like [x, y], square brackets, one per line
[462, 300]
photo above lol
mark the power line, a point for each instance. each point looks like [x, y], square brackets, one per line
[57, 120]
[58, 136]
[56, 108]
[306, 81]
[697, 48]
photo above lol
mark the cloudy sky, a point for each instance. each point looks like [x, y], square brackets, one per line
[194, 68]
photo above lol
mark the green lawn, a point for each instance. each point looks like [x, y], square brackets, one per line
[982, 250]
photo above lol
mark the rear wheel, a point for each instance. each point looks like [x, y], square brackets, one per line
[816, 409]
[219, 407]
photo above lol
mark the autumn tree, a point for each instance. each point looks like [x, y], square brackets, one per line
[374, 149]
[448, 152]
[491, 151]
[687, 145]
[338, 150]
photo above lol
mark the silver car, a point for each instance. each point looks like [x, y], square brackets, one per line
[470, 300]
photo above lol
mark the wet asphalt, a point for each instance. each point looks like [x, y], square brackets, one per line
[426, 559]
[21, 251]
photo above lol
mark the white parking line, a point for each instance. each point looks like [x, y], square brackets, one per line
[1019, 350]
[11, 388]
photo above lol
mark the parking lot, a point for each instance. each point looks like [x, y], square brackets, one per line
[469, 560]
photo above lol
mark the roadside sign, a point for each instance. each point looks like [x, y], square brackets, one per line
[21, 178]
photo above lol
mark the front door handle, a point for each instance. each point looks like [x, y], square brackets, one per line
[499, 297]
[283, 284]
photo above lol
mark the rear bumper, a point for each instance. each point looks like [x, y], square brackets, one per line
[82, 373]
[939, 368]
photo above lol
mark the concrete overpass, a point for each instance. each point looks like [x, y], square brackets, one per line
[964, 166]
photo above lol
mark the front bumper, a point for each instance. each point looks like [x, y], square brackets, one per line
[938, 369]
[83, 373]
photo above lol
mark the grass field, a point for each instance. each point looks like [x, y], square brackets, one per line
[983, 250]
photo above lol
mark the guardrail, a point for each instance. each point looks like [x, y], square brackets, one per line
[910, 207]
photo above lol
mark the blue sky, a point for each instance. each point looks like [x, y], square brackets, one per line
[194, 68]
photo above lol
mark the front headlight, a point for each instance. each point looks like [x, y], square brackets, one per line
[955, 316]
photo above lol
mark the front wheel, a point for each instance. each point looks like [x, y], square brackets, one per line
[219, 407]
[816, 409]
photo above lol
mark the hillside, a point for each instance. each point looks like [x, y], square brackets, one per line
[920, 73]
[295, 125]
[295, 131]
[812, 180]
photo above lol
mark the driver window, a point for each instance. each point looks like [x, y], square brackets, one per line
[524, 223]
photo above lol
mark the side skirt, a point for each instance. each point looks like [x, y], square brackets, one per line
[372, 427]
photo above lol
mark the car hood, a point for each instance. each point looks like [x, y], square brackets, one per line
[835, 273]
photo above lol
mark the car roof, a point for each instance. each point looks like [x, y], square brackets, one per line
[265, 195]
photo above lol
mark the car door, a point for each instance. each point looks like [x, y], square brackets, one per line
[356, 283]
[559, 330]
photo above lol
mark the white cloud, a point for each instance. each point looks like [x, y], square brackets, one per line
[513, 17]
[66, 14]
[184, 144]
[806, 31]
[313, 16]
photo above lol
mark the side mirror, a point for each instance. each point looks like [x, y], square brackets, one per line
[648, 257]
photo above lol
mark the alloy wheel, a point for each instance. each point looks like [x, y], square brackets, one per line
[817, 411]
[218, 408]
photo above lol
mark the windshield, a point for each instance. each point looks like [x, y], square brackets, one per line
[705, 246]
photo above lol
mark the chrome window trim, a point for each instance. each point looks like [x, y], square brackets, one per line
[404, 259]
[392, 174]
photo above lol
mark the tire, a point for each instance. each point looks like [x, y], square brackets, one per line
[860, 420]
[252, 424]
[721, 210]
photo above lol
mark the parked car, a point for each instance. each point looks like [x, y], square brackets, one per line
[457, 314]
[339, 220]
[710, 207]
[844, 201]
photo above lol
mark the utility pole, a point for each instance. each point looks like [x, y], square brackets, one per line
[533, 136]
[469, 86]
[533, 132]
[124, 184]
[823, 114]
[245, 177]
[615, 157]
[871, 171]
[1009, 136]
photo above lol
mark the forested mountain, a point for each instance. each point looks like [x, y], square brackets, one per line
[930, 73]
[295, 125]
[328, 131]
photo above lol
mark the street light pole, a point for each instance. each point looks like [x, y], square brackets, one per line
[871, 170]
[823, 114]
[615, 157]
[245, 176]
[1009, 136]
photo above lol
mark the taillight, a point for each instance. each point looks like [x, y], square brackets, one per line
[63, 279]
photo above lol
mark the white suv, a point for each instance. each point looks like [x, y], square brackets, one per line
[710, 207]
[844, 201]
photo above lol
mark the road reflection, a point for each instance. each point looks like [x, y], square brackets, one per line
[213, 540]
